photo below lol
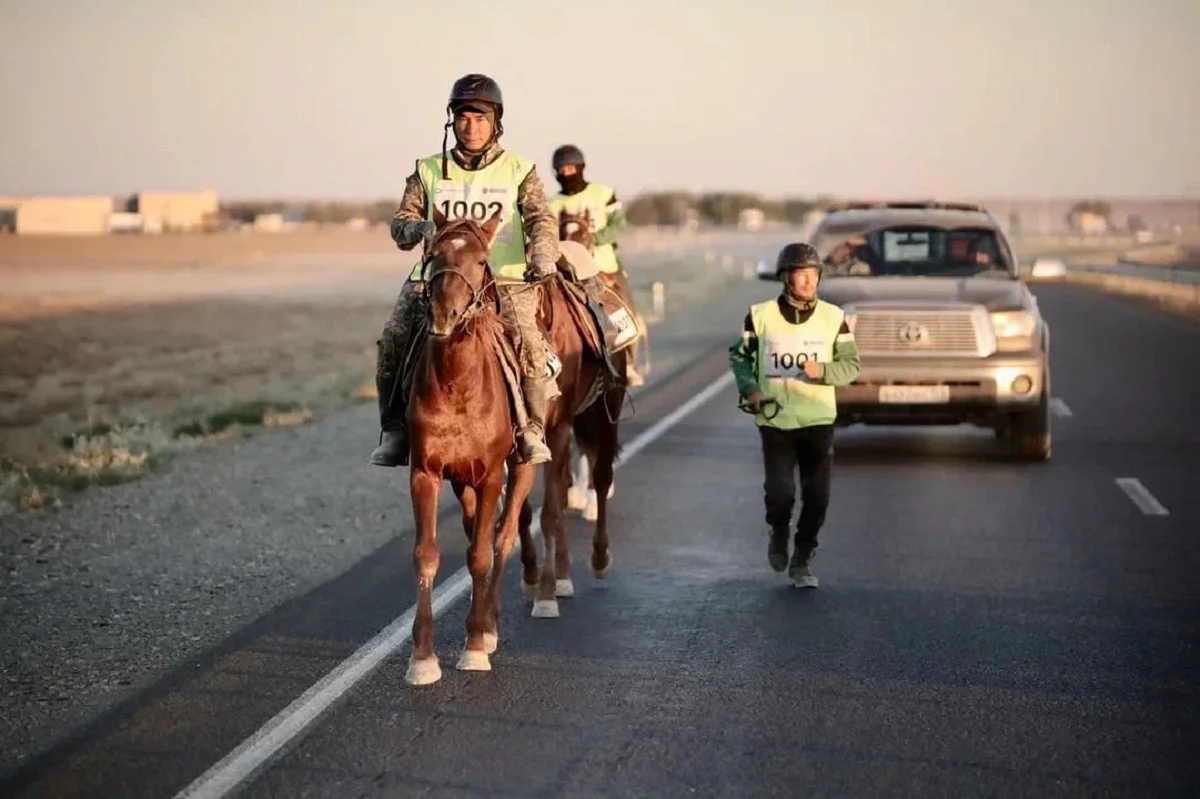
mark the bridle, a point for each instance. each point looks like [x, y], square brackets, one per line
[478, 294]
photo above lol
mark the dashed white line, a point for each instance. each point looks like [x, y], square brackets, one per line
[1142, 497]
[1059, 408]
[244, 761]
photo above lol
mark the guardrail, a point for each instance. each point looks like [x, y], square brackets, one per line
[1159, 274]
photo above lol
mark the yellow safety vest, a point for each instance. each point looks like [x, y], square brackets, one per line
[595, 198]
[479, 194]
[783, 348]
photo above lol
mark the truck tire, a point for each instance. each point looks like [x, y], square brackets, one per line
[1029, 437]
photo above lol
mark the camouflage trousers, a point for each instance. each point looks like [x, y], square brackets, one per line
[519, 304]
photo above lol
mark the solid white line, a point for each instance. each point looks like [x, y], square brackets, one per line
[290, 723]
[1142, 497]
[1059, 408]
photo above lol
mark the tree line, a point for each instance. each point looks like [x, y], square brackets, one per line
[663, 208]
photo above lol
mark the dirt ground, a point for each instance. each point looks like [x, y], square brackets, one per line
[167, 331]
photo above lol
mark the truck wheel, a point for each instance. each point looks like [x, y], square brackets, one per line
[1030, 438]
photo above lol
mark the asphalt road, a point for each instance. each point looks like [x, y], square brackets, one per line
[982, 628]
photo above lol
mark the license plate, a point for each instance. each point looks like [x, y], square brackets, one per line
[914, 394]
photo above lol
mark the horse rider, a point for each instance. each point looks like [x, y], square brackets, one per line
[793, 351]
[608, 218]
[477, 177]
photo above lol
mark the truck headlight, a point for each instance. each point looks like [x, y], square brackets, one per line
[1013, 324]
[1014, 330]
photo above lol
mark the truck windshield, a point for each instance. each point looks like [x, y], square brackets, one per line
[917, 251]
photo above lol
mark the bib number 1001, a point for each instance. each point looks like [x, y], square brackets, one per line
[479, 211]
[786, 360]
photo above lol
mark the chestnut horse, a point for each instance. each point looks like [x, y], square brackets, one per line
[590, 411]
[461, 429]
[581, 494]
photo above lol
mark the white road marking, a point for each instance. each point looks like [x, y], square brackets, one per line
[291, 722]
[1142, 497]
[1059, 408]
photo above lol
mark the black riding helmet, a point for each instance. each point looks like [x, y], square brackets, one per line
[473, 92]
[478, 89]
[567, 155]
[797, 255]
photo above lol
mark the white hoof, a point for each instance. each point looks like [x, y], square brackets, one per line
[528, 589]
[805, 582]
[423, 672]
[592, 511]
[564, 588]
[545, 609]
[474, 660]
[576, 498]
[490, 642]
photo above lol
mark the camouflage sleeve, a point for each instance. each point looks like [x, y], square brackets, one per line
[541, 229]
[405, 231]
[741, 359]
[616, 222]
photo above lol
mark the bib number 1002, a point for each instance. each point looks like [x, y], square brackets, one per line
[479, 211]
[786, 360]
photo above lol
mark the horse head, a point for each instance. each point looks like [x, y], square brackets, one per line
[576, 227]
[459, 276]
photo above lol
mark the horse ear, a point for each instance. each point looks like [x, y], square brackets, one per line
[491, 226]
[439, 219]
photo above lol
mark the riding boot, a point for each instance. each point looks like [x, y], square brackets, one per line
[393, 439]
[532, 440]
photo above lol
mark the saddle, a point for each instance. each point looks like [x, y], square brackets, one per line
[610, 313]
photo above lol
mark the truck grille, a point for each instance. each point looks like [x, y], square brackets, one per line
[917, 333]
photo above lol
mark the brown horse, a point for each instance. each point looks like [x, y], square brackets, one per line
[591, 416]
[461, 429]
[581, 492]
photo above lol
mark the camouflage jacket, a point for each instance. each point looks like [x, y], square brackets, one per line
[541, 227]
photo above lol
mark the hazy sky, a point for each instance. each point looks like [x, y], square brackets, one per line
[314, 98]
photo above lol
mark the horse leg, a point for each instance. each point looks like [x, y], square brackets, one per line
[607, 454]
[520, 483]
[563, 587]
[554, 528]
[529, 556]
[577, 492]
[479, 563]
[423, 668]
[467, 497]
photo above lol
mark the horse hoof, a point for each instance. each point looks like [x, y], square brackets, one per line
[576, 498]
[490, 642]
[474, 660]
[564, 588]
[423, 672]
[601, 573]
[528, 589]
[545, 609]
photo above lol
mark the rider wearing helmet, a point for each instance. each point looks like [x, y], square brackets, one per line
[475, 178]
[608, 219]
[793, 351]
